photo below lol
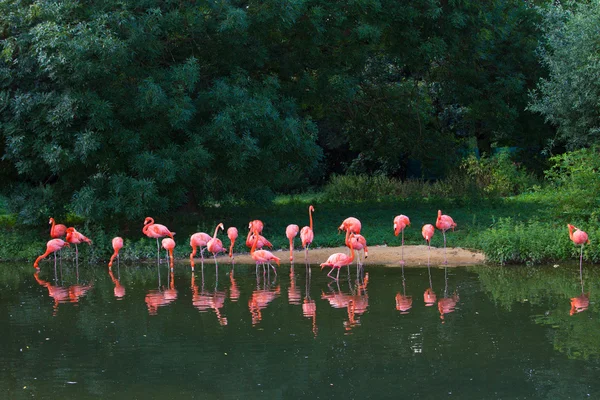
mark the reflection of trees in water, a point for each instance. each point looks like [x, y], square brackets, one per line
[567, 306]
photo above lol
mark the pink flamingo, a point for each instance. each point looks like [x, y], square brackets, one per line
[215, 245]
[359, 243]
[169, 244]
[443, 223]
[52, 246]
[427, 231]
[306, 234]
[339, 260]
[291, 231]
[262, 241]
[199, 239]
[76, 238]
[57, 230]
[256, 225]
[578, 237]
[117, 244]
[351, 224]
[232, 233]
[400, 223]
[262, 256]
[156, 231]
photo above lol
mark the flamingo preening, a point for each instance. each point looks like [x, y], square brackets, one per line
[443, 223]
[290, 232]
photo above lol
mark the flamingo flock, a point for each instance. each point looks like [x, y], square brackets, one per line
[354, 241]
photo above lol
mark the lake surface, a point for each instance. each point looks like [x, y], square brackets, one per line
[468, 333]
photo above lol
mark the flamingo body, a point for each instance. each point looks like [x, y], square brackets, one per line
[199, 239]
[262, 241]
[169, 244]
[75, 237]
[52, 246]
[232, 234]
[57, 230]
[578, 236]
[291, 231]
[444, 222]
[427, 231]
[156, 231]
[117, 244]
[352, 224]
[400, 223]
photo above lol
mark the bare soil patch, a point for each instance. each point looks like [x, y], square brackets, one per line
[380, 255]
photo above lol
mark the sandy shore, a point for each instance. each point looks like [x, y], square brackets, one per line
[379, 255]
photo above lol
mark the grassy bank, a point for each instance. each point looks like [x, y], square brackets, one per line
[510, 230]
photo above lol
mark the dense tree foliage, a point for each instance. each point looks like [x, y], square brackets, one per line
[569, 97]
[113, 110]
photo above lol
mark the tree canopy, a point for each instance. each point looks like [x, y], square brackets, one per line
[112, 110]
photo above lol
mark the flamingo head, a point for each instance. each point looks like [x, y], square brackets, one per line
[221, 226]
[250, 225]
[70, 230]
[148, 220]
[311, 209]
[51, 221]
[396, 229]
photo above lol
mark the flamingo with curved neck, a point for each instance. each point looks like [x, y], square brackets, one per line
[156, 231]
[262, 256]
[215, 245]
[307, 234]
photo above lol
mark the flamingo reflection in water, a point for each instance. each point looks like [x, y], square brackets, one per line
[62, 294]
[203, 300]
[261, 298]
[309, 307]
[159, 298]
[581, 302]
[429, 296]
[356, 302]
[447, 304]
[294, 294]
[403, 302]
[119, 289]
[234, 290]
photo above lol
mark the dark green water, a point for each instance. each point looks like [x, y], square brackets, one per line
[510, 335]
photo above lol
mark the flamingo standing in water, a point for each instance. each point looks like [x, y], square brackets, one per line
[117, 244]
[262, 256]
[339, 260]
[443, 223]
[76, 238]
[358, 243]
[199, 239]
[232, 234]
[215, 245]
[400, 223]
[579, 237]
[291, 231]
[169, 244]
[306, 234]
[427, 231]
[351, 224]
[52, 246]
[156, 231]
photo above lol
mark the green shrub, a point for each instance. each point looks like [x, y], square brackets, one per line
[498, 175]
[534, 242]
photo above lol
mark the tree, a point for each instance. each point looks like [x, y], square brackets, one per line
[569, 97]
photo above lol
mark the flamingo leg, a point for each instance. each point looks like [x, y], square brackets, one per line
[428, 252]
[581, 265]
[158, 250]
[445, 258]
[274, 270]
[338, 275]
[329, 274]
[402, 247]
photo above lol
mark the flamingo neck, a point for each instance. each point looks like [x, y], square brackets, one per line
[351, 249]
[254, 243]
[571, 232]
[147, 223]
[310, 217]
[216, 230]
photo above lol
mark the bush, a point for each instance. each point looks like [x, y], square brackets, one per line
[498, 175]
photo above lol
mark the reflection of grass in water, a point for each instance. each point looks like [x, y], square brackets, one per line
[552, 288]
